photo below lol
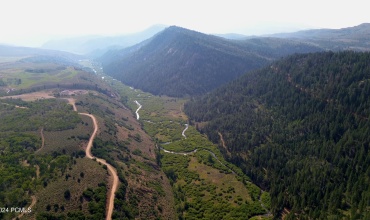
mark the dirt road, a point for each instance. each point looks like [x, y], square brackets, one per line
[73, 103]
[111, 169]
[33, 203]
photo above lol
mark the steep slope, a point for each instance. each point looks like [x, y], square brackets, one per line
[180, 62]
[299, 128]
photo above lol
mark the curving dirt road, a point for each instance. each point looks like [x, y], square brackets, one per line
[33, 203]
[73, 103]
[111, 169]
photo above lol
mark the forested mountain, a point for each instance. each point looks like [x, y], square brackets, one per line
[179, 62]
[354, 38]
[300, 129]
[98, 45]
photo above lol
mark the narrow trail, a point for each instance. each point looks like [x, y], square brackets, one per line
[33, 203]
[222, 140]
[183, 132]
[137, 110]
[111, 169]
[223, 143]
[73, 103]
[42, 140]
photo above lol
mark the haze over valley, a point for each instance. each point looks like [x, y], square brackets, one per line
[138, 111]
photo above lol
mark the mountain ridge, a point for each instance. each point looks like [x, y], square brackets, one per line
[349, 38]
[180, 62]
[298, 128]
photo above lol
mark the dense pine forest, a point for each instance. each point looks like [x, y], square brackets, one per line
[300, 129]
[180, 62]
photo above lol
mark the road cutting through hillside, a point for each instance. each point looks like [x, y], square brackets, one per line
[111, 169]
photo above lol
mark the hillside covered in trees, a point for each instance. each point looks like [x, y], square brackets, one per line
[300, 129]
[180, 62]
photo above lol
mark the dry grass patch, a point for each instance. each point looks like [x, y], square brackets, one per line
[47, 94]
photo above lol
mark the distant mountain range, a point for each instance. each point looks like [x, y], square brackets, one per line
[98, 45]
[37, 55]
[180, 62]
[352, 38]
[176, 61]
[14, 51]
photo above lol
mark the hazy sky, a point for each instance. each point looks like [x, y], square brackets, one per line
[31, 22]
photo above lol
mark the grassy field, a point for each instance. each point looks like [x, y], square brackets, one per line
[30, 76]
[37, 74]
[205, 185]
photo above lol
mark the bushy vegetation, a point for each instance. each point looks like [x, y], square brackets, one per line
[97, 200]
[201, 181]
[22, 172]
[208, 193]
[49, 114]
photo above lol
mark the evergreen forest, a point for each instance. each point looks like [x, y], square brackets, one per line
[179, 62]
[300, 129]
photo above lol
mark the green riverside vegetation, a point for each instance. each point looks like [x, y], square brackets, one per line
[205, 186]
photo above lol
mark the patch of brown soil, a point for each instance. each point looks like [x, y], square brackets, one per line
[32, 96]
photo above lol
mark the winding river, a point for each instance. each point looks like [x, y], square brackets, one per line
[137, 110]
[183, 132]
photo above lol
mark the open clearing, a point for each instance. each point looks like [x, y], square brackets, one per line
[32, 96]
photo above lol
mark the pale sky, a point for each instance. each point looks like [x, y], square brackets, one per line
[32, 22]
